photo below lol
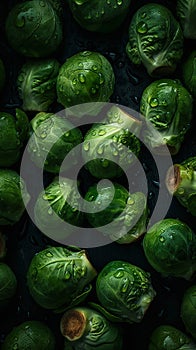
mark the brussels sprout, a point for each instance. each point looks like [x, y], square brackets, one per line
[85, 77]
[189, 73]
[167, 108]
[166, 337]
[34, 28]
[188, 310]
[2, 75]
[13, 197]
[112, 146]
[14, 131]
[58, 278]
[53, 138]
[3, 248]
[125, 291]
[186, 12]
[37, 84]
[99, 16]
[33, 335]
[8, 285]
[87, 329]
[181, 182]
[60, 198]
[125, 214]
[170, 247]
[155, 40]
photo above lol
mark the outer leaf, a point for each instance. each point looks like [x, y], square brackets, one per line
[186, 12]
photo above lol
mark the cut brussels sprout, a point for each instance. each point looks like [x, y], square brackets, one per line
[188, 310]
[37, 84]
[189, 73]
[170, 247]
[85, 77]
[186, 12]
[59, 278]
[8, 285]
[167, 108]
[34, 28]
[155, 40]
[85, 328]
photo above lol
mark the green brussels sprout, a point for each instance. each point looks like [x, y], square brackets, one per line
[170, 247]
[59, 278]
[188, 310]
[189, 73]
[14, 131]
[125, 291]
[84, 328]
[180, 182]
[111, 146]
[52, 139]
[85, 77]
[124, 214]
[60, 198]
[167, 108]
[2, 75]
[8, 285]
[37, 84]
[34, 28]
[13, 197]
[34, 335]
[99, 16]
[186, 12]
[3, 248]
[166, 337]
[155, 40]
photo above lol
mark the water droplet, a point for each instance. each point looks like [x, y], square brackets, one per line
[82, 78]
[27, 327]
[50, 211]
[130, 201]
[162, 239]
[49, 254]
[124, 288]
[135, 99]
[100, 149]
[93, 90]
[15, 339]
[108, 2]
[180, 190]
[154, 102]
[115, 152]
[142, 27]
[45, 196]
[20, 21]
[67, 275]
[143, 15]
[119, 274]
[74, 209]
[94, 68]
[15, 346]
[119, 2]
[80, 64]
[102, 11]
[43, 135]
[101, 132]
[67, 133]
[77, 92]
[164, 103]
[156, 183]
[101, 79]
[74, 81]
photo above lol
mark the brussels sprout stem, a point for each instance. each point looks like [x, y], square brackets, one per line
[73, 324]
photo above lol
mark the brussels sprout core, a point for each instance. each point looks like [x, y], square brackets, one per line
[173, 178]
[73, 324]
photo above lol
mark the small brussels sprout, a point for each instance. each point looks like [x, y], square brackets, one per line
[2, 75]
[8, 285]
[188, 310]
[181, 182]
[167, 108]
[186, 12]
[85, 328]
[34, 28]
[52, 139]
[99, 16]
[125, 291]
[124, 214]
[85, 77]
[3, 248]
[14, 131]
[13, 197]
[155, 40]
[166, 337]
[59, 278]
[61, 198]
[37, 84]
[170, 247]
[189, 73]
[34, 335]
[111, 146]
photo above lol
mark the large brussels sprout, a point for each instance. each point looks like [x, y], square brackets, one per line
[85, 77]
[124, 217]
[170, 247]
[99, 16]
[2, 75]
[59, 278]
[181, 182]
[167, 108]
[186, 12]
[13, 197]
[125, 291]
[189, 73]
[14, 131]
[8, 285]
[155, 40]
[61, 198]
[85, 328]
[52, 139]
[110, 147]
[30, 335]
[188, 310]
[34, 28]
[167, 337]
[37, 84]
